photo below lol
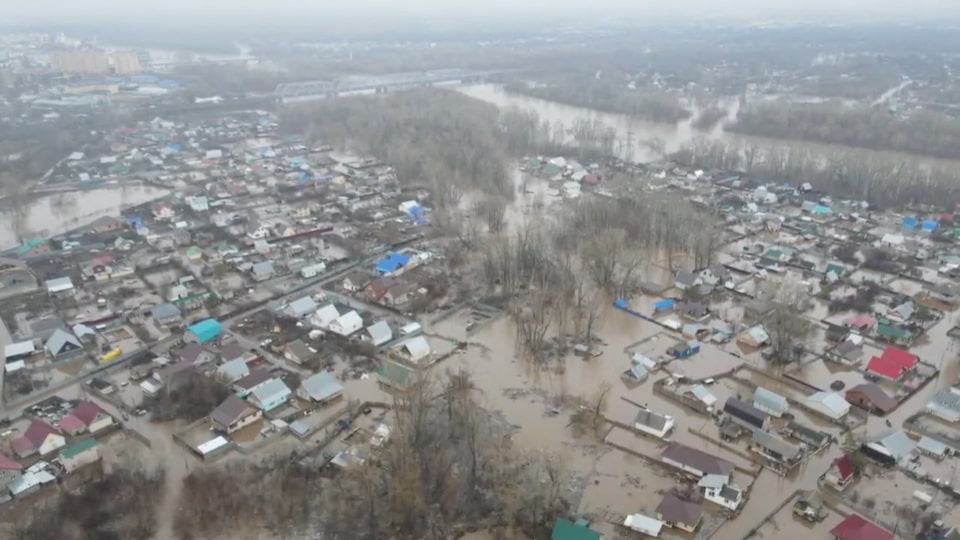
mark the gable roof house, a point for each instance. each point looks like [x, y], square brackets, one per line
[716, 274]
[166, 313]
[270, 395]
[654, 424]
[416, 349]
[380, 333]
[685, 280]
[356, 281]
[718, 491]
[694, 461]
[39, 437]
[301, 307]
[841, 473]
[298, 352]
[233, 370]
[679, 514]
[234, 414]
[854, 527]
[196, 354]
[62, 345]
[86, 417]
[871, 397]
[347, 324]
[770, 402]
[945, 404]
[262, 271]
[745, 414]
[322, 387]
[829, 404]
[893, 364]
[782, 453]
[251, 382]
[324, 316]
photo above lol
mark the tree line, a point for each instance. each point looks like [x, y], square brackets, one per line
[883, 180]
[921, 132]
[608, 95]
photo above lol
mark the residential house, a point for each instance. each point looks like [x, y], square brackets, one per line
[846, 352]
[889, 448]
[772, 447]
[685, 280]
[933, 448]
[262, 270]
[718, 491]
[745, 414]
[107, 224]
[166, 314]
[196, 354]
[770, 402]
[861, 323]
[39, 438]
[380, 333]
[233, 415]
[945, 405]
[694, 461]
[174, 376]
[232, 371]
[871, 397]
[203, 332]
[270, 395]
[902, 312]
[79, 454]
[233, 351]
[654, 424]
[62, 345]
[377, 288]
[416, 349]
[702, 394]
[677, 513]
[829, 404]
[86, 417]
[298, 352]
[893, 364]
[716, 274]
[946, 293]
[399, 294]
[564, 529]
[753, 337]
[61, 286]
[694, 311]
[356, 281]
[897, 335]
[322, 387]
[841, 473]
[256, 378]
[324, 316]
[395, 375]
[854, 527]
[198, 203]
[347, 324]
[301, 307]
[392, 264]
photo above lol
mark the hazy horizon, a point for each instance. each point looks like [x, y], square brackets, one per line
[277, 13]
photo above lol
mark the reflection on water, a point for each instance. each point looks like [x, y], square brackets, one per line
[57, 213]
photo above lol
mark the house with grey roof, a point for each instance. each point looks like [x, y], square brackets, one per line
[653, 424]
[770, 402]
[166, 314]
[298, 352]
[270, 395]
[234, 414]
[232, 371]
[694, 461]
[62, 345]
[829, 404]
[889, 447]
[322, 387]
[782, 453]
[301, 307]
[945, 405]
[262, 271]
[380, 333]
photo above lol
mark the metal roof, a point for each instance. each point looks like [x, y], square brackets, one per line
[322, 386]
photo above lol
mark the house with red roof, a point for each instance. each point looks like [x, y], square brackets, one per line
[893, 364]
[40, 438]
[86, 417]
[855, 527]
[841, 473]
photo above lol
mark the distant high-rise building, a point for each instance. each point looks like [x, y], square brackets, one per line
[96, 62]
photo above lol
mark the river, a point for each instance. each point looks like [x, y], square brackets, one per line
[634, 136]
[57, 213]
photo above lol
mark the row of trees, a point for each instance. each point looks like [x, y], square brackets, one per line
[884, 180]
[922, 132]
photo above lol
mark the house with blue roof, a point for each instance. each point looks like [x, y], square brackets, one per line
[392, 263]
[909, 222]
[929, 225]
[203, 332]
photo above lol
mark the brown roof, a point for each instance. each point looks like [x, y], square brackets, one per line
[673, 509]
[380, 286]
[875, 395]
[255, 377]
[697, 459]
[87, 412]
[228, 412]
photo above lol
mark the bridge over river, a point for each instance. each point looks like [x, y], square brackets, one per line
[309, 90]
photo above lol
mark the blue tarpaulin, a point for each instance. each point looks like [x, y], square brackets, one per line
[910, 222]
[663, 304]
[392, 262]
[929, 225]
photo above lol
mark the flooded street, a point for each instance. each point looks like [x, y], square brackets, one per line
[57, 213]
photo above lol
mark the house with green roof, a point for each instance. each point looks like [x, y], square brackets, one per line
[80, 453]
[33, 246]
[564, 529]
[395, 375]
[894, 334]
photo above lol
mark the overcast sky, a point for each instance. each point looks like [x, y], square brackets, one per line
[104, 11]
